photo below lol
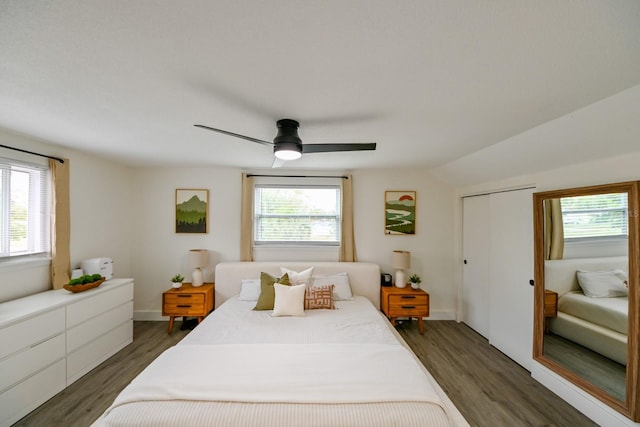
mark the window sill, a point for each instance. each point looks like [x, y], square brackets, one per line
[24, 263]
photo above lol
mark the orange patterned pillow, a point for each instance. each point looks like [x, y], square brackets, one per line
[321, 296]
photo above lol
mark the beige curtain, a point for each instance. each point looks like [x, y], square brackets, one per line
[246, 219]
[553, 230]
[347, 238]
[60, 223]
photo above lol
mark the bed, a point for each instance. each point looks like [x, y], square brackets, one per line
[597, 322]
[345, 366]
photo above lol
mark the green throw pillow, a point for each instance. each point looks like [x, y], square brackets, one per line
[267, 293]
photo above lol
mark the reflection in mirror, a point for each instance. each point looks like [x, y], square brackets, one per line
[583, 286]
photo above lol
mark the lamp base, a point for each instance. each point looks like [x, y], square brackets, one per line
[197, 278]
[401, 279]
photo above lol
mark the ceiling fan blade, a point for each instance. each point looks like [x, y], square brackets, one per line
[328, 148]
[237, 135]
[277, 163]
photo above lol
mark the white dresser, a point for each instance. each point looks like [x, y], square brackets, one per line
[51, 339]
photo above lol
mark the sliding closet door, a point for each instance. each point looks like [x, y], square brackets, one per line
[475, 276]
[511, 269]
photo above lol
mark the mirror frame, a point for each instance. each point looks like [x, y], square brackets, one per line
[629, 407]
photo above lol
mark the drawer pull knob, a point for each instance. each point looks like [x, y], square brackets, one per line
[184, 305]
[408, 306]
[408, 297]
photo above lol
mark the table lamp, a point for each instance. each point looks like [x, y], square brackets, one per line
[198, 259]
[401, 261]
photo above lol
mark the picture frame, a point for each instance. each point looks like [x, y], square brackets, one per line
[399, 212]
[191, 211]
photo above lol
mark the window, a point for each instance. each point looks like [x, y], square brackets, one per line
[24, 211]
[297, 214]
[600, 215]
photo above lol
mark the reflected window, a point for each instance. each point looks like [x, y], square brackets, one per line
[594, 216]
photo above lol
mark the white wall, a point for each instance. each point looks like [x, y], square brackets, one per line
[158, 253]
[100, 200]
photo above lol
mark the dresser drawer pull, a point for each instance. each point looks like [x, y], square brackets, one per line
[184, 296]
[408, 306]
[184, 305]
[408, 297]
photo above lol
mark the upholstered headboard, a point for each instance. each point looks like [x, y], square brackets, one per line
[364, 277]
[560, 274]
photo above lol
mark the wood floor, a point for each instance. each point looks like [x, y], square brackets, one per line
[486, 386]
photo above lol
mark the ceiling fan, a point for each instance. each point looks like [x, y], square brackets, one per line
[287, 145]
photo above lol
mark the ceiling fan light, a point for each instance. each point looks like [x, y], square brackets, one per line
[287, 154]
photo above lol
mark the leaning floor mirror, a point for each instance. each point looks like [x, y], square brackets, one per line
[586, 289]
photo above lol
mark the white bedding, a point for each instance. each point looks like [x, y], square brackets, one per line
[330, 367]
[608, 312]
[236, 323]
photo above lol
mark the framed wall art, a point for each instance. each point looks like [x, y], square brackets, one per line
[400, 212]
[192, 211]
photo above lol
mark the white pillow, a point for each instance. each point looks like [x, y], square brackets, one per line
[298, 278]
[249, 290]
[289, 300]
[342, 289]
[603, 284]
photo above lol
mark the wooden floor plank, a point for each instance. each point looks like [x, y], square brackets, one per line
[487, 387]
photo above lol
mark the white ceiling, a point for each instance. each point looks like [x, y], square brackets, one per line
[429, 81]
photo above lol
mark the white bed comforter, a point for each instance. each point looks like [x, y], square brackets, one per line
[309, 373]
[611, 313]
[241, 367]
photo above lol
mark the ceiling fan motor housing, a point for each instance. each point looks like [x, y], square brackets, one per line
[287, 137]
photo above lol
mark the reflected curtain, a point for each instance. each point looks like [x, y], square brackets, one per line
[246, 219]
[553, 230]
[347, 237]
[60, 223]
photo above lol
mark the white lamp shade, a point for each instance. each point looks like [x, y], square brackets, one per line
[401, 260]
[198, 258]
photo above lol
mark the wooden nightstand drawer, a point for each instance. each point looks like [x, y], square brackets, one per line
[550, 303]
[408, 310]
[184, 299]
[184, 309]
[397, 300]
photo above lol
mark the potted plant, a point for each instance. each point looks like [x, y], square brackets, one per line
[176, 281]
[415, 281]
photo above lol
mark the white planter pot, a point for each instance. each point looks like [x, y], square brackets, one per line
[176, 285]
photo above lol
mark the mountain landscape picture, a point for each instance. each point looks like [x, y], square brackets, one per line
[191, 211]
[400, 212]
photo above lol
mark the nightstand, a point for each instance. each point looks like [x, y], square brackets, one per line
[550, 307]
[187, 301]
[404, 302]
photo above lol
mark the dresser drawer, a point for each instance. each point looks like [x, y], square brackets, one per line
[26, 396]
[184, 299]
[97, 326]
[25, 363]
[183, 309]
[87, 308]
[31, 331]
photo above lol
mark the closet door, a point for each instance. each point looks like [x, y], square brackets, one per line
[475, 275]
[511, 269]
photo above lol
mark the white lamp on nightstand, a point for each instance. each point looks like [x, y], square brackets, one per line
[198, 258]
[401, 261]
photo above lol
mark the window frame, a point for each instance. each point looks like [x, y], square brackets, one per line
[284, 183]
[39, 226]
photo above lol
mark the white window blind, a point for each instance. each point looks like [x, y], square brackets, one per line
[24, 214]
[297, 214]
[600, 215]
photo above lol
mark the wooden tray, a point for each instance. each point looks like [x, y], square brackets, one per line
[85, 287]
